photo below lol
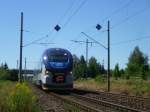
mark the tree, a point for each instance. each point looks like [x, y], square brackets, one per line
[116, 72]
[5, 66]
[79, 67]
[76, 62]
[94, 67]
[137, 63]
[13, 75]
[102, 69]
[4, 74]
[2, 66]
[82, 67]
[122, 71]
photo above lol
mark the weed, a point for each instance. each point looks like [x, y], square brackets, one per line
[17, 98]
[21, 99]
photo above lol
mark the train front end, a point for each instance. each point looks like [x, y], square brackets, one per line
[57, 69]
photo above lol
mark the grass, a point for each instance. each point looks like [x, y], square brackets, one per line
[16, 98]
[136, 87]
[5, 88]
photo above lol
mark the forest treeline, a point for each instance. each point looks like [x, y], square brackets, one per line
[8, 74]
[137, 66]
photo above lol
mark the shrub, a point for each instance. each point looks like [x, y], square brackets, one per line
[100, 79]
[138, 88]
[21, 99]
[5, 88]
[4, 74]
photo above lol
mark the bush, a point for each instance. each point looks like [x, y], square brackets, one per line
[100, 79]
[140, 88]
[4, 74]
[127, 76]
[4, 92]
[17, 98]
[13, 75]
[8, 74]
[21, 99]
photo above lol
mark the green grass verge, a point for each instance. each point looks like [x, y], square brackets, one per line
[134, 86]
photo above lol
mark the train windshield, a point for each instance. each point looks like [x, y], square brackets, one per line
[58, 58]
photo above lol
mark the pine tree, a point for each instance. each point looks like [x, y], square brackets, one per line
[116, 72]
[94, 67]
[137, 63]
[2, 66]
[5, 66]
[82, 67]
[76, 67]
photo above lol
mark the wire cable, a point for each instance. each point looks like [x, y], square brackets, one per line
[94, 40]
[128, 41]
[118, 10]
[67, 11]
[74, 13]
[29, 31]
[70, 17]
[115, 12]
[33, 42]
[129, 17]
[46, 36]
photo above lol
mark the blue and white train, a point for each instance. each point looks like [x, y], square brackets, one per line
[56, 70]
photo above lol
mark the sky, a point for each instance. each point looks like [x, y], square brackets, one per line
[129, 27]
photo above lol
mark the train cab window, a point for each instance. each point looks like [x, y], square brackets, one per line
[58, 58]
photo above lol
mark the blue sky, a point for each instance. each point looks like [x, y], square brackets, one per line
[129, 19]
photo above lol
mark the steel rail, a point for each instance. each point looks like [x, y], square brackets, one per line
[76, 103]
[108, 104]
[130, 101]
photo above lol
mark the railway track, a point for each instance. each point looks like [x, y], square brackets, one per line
[89, 104]
[89, 101]
[139, 103]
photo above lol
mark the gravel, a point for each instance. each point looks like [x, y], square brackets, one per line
[47, 102]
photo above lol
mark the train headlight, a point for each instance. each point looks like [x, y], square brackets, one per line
[46, 72]
[45, 58]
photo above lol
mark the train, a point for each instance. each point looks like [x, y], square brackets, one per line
[56, 70]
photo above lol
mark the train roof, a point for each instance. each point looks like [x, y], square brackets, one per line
[54, 50]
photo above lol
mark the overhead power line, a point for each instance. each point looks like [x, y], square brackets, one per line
[118, 10]
[46, 36]
[128, 41]
[33, 32]
[33, 42]
[94, 40]
[131, 16]
[87, 45]
[44, 44]
[75, 12]
[67, 11]
[39, 39]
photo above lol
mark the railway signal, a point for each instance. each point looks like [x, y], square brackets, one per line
[57, 27]
[98, 27]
